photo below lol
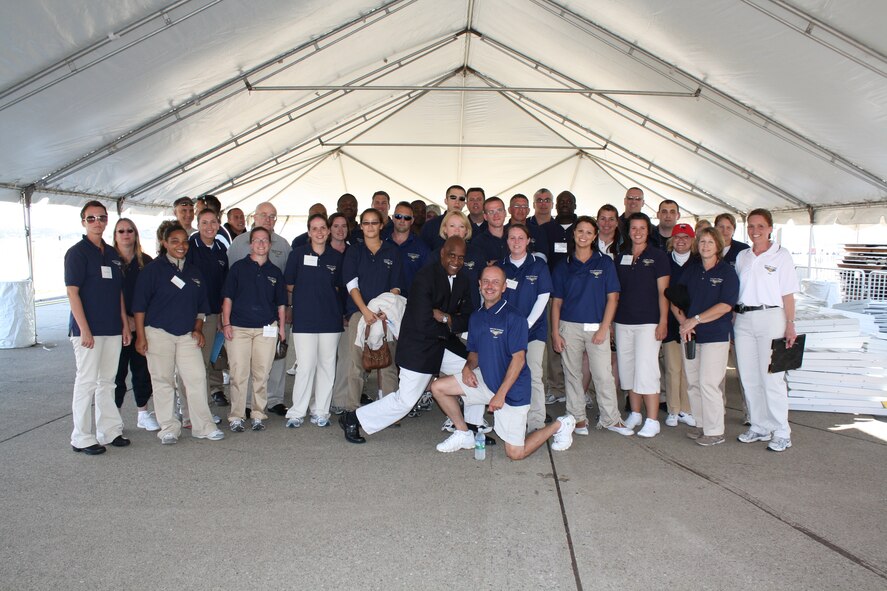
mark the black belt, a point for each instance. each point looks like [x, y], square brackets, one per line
[740, 309]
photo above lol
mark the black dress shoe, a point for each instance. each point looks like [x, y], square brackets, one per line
[93, 450]
[489, 440]
[278, 409]
[219, 399]
[120, 441]
[351, 427]
[248, 413]
[548, 419]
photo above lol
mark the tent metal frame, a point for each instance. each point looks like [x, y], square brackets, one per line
[398, 88]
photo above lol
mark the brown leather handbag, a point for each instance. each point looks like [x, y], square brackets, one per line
[376, 358]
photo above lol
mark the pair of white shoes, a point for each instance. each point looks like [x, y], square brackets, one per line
[651, 426]
[563, 437]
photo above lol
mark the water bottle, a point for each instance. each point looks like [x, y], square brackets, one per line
[480, 445]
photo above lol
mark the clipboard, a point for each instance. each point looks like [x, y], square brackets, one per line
[784, 359]
[217, 347]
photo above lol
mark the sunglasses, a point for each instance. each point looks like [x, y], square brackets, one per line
[403, 216]
[543, 200]
[91, 219]
[125, 231]
[454, 197]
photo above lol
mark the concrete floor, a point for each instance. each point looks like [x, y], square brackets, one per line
[303, 509]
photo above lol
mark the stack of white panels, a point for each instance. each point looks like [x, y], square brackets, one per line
[874, 309]
[844, 369]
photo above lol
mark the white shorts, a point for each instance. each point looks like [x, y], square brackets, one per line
[509, 422]
[637, 354]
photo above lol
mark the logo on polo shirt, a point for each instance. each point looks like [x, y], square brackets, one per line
[414, 256]
[273, 280]
[221, 263]
[715, 281]
[118, 263]
[196, 281]
[532, 278]
[496, 332]
[469, 264]
[388, 262]
[596, 272]
[648, 262]
[770, 269]
[332, 268]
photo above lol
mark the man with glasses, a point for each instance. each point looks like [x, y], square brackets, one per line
[266, 217]
[94, 283]
[491, 241]
[183, 208]
[542, 202]
[634, 203]
[413, 252]
[475, 200]
[519, 209]
[455, 199]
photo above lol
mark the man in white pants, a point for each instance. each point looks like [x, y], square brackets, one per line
[437, 311]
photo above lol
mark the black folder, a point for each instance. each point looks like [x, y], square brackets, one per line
[783, 358]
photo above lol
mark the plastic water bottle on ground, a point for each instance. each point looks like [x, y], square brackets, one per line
[480, 445]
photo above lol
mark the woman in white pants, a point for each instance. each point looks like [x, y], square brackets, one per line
[766, 311]
[528, 287]
[712, 287]
[314, 279]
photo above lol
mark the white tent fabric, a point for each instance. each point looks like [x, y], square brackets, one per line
[720, 104]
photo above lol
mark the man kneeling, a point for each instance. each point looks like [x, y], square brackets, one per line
[497, 349]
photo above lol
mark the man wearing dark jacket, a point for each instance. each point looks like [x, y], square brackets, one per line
[437, 311]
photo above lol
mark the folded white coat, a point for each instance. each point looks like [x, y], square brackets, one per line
[393, 306]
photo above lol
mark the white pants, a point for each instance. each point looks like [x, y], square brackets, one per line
[704, 375]
[765, 393]
[315, 373]
[536, 414]
[638, 353]
[390, 409]
[96, 372]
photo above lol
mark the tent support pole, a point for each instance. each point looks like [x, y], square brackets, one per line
[811, 213]
[27, 193]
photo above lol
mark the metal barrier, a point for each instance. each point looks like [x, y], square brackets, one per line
[854, 284]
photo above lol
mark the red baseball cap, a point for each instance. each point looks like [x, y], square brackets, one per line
[683, 229]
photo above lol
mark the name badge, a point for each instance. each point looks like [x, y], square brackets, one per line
[560, 247]
[591, 327]
[269, 330]
[310, 261]
[177, 281]
[106, 273]
[511, 283]
[626, 259]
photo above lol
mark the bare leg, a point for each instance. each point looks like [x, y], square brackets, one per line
[534, 441]
[651, 402]
[446, 392]
[635, 401]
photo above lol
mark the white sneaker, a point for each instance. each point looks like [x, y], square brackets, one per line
[589, 401]
[650, 428]
[292, 371]
[551, 399]
[485, 427]
[295, 422]
[672, 420]
[148, 421]
[580, 430]
[169, 439]
[458, 440]
[687, 419]
[448, 425]
[320, 421]
[625, 431]
[633, 420]
[216, 435]
[563, 437]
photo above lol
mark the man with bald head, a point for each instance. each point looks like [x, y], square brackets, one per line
[265, 216]
[634, 203]
[302, 239]
[437, 312]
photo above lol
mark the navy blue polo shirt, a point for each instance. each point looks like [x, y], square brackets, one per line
[496, 334]
[431, 232]
[639, 301]
[375, 273]
[413, 255]
[560, 241]
[538, 240]
[533, 279]
[584, 287]
[300, 240]
[130, 276]
[735, 248]
[255, 292]
[317, 283]
[213, 264]
[98, 273]
[356, 236]
[658, 240]
[718, 285]
[677, 271]
[492, 247]
[166, 305]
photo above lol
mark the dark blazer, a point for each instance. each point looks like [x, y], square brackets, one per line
[422, 340]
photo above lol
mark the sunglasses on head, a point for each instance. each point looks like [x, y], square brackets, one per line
[403, 216]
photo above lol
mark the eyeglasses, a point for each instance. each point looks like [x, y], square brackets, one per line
[369, 223]
[91, 219]
[260, 241]
[520, 207]
[125, 230]
[543, 200]
[494, 211]
[634, 198]
[403, 216]
[454, 197]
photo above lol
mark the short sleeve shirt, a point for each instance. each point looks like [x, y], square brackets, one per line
[765, 278]
[639, 300]
[584, 287]
[496, 334]
[718, 285]
[375, 273]
[255, 291]
[316, 281]
[170, 298]
[213, 264]
[524, 285]
[98, 274]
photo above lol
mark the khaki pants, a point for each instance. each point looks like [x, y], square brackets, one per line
[536, 415]
[168, 354]
[675, 380]
[704, 375]
[578, 342]
[353, 368]
[553, 366]
[94, 382]
[340, 384]
[250, 355]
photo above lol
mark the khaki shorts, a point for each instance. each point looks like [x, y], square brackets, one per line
[509, 422]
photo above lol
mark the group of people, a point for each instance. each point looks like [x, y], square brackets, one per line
[491, 310]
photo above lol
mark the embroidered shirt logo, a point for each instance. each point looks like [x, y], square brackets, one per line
[715, 281]
[496, 332]
[770, 269]
[273, 280]
[332, 268]
[469, 264]
[532, 278]
[388, 262]
[596, 272]
[221, 263]
[414, 256]
[118, 263]
[648, 262]
[196, 281]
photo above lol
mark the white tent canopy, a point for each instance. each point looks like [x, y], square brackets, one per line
[721, 105]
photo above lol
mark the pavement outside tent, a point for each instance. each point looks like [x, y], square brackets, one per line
[305, 510]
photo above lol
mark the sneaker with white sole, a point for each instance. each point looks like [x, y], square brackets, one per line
[258, 425]
[583, 430]
[320, 421]
[551, 399]
[295, 423]
[485, 427]
[634, 419]
[448, 425]
[216, 435]
[292, 371]
[217, 419]
[563, 437]
[425, 401]
[779, 444]
[687, 419]
[621, 429]
[148, 421]
[650, 428]
[694, 433]
[458, 440]
[589, 401]
[337, 410]
[236, 425]
[169, 439]
[751, 436]
[709, 440]
[671, 420]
